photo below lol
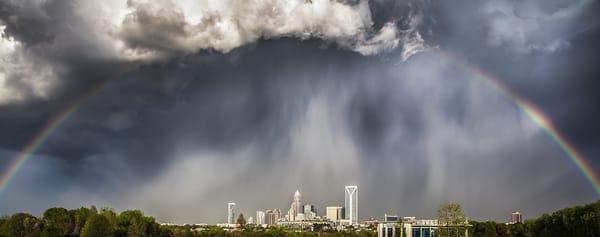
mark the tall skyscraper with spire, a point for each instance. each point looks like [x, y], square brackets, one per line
[351, 204]
[296, 207]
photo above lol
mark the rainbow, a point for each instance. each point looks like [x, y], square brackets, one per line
[40, 137]
[533, 112]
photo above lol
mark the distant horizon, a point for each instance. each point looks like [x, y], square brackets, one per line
[400, 216]
[320, 212]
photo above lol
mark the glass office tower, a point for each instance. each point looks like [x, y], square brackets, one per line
[351, 204]
[231, 213]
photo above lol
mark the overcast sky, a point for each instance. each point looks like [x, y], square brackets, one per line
[190, 104]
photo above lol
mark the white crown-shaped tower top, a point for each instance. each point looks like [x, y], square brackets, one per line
[297, 195]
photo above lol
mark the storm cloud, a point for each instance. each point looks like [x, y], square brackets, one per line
[206, 102]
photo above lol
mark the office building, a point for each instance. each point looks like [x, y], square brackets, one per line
[272, 217]
[277, 214]
[420, 227]
[388, 230]
[334, 213]
[299, 217]
[390, 218]
[310, 213]
[295, 207]
[516, 217]
[231, 213]
[351, 204]
[260, 217]
[309, 208]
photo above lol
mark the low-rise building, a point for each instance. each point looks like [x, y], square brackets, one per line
[334, 213]
[410, 226]
[388, 230]
[390, 218]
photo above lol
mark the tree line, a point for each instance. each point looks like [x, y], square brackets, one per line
[580, 221]
[83, 221]
[90, 222]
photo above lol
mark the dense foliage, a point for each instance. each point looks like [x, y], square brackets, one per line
[581, 221]
[89, 222]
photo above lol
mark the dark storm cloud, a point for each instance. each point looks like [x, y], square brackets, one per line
[546, 57]
[26, 23]
[195, 115]
[578, 95]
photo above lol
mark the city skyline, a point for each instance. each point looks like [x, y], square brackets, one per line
[340, 216]
[303, 212]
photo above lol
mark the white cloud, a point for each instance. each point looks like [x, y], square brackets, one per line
[20, 76]
[155, 27]
[385, 40]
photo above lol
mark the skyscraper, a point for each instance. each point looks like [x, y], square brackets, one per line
[260, 217]
[351, 204]
[310, 212]
[231, 213]
[295, 207]
[272, 216]
[277, 215]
